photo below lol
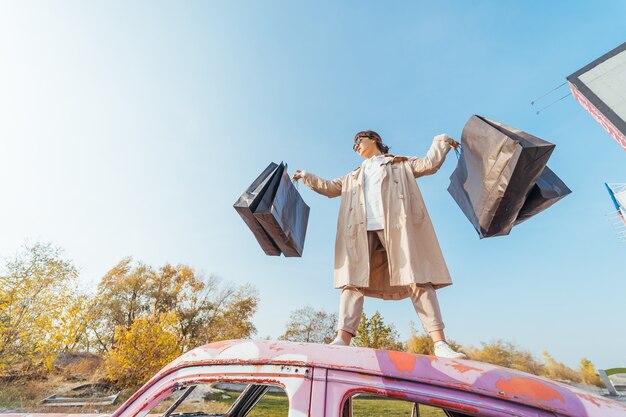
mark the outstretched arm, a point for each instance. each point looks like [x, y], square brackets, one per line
[434, 157]
[329, 188]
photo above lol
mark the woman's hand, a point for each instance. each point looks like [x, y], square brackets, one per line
[299, 174]
[449, 139]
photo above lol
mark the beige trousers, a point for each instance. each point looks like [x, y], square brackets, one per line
[424, 298]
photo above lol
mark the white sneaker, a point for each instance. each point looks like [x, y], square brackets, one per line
[338, 342]
[443, 350]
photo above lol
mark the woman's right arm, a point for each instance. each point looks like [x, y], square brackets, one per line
[435, 156]
[329, 188]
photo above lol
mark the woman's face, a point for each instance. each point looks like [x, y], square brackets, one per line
[366, 147]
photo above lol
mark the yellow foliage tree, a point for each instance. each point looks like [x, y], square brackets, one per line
[39, 309]
[500, 352]
[374, 333]
[588, 373]
[207, 310]
[230, 318]
[148, 345]
[420, 344]
[423, 344]
[558, 371]
[146, 317]
[506, 354]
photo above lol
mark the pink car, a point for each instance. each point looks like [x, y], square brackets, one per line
[264, 378]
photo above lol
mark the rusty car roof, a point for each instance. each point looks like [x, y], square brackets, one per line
[466, 375]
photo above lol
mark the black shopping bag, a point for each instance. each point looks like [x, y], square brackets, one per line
[249, 201]
[498, 168]
[548, 190]
[283, 213]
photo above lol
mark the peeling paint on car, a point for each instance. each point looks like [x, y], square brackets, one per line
[319, 378]
[454, 406]
[530, 388]
[402, 361]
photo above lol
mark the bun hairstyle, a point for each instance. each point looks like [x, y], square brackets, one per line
[370, 134]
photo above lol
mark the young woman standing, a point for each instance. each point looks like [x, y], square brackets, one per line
[386, 246]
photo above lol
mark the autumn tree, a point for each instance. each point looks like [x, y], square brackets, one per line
[206, 309]
[150, 343]
[149, 316]
[500, 352]
[309, 325]
[231, 318]
[556, 370]
[40, 309]
[374, 333]
[122, 296]
[423, 344]
[420, 344]
[506, 354]
[588, 373]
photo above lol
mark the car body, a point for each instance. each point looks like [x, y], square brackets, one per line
[324, 380]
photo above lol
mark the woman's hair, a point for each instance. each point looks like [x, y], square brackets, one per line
[370, 134]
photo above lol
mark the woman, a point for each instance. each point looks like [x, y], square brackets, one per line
[386, 246]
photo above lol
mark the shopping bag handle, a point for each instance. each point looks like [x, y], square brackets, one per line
[458, 150]
[295, 183]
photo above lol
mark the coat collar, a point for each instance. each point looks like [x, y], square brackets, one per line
[388, 158]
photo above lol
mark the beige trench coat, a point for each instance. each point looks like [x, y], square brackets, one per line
[413, 255]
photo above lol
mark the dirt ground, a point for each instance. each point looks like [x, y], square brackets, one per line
[70, 371]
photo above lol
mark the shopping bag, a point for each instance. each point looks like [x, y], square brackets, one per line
[283, 214]
[249, 201]
[498, 167]
[548, 190]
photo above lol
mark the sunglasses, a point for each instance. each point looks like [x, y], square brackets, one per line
[358, 141]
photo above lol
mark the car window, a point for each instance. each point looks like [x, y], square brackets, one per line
[274, 403]
[366, 405]
[197, 400]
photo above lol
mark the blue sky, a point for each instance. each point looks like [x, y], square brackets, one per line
[130, 128]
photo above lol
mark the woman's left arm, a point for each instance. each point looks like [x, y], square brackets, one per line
[435, 156]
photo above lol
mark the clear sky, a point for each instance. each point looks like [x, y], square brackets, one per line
[130, 128]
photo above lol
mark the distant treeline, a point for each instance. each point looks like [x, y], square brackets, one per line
[142, 317]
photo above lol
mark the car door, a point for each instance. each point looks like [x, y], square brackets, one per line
[355, 394]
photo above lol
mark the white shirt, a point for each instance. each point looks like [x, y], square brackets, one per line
[372, 178]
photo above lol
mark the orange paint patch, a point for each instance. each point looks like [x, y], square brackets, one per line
[529, 388]
[462, 368]
[402, 361]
